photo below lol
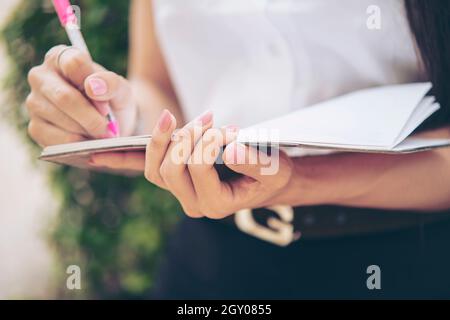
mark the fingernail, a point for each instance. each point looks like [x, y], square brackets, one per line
[206, 118]
[165, 121]
[98, 86]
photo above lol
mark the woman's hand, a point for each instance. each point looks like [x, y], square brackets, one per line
[70, 97]
[182, 162]
[394, 182]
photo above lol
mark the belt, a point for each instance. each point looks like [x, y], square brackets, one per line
[283, 225]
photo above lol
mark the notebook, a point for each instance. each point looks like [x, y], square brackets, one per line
[376, 120]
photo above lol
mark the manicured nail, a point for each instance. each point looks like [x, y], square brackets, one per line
[98, 86]
[206, 118]
[165, 121]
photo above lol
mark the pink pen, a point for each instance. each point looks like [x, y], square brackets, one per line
[69, 21]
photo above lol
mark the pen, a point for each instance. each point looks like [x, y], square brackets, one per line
[69, 21]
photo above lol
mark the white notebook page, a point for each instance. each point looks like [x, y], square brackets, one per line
[369, 118]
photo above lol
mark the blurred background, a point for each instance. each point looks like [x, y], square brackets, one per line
[113, 228]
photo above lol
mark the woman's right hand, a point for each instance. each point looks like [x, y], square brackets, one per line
[69, 99]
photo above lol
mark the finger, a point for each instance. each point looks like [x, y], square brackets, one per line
[112, 92]
[204, 176]
[157, 148]
[39, 106]
[73, 103]
[174, 167]
[271, 172]
[73, 64]
[46, 134]
[107, 86]
[133, 161]
[185, 140]
[263, 175]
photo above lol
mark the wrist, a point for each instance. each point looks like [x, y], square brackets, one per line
[318, 180]
[128, 119]
[139, 128]
[305, 188]
[301, 189]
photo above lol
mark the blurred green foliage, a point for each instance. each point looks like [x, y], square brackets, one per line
[113, 227]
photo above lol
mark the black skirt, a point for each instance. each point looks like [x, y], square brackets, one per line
[212, 260]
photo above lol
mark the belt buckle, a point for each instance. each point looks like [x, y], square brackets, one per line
[279, 232]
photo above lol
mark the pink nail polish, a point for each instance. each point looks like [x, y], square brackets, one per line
[165, 121]
[98, 86]
[206, 118]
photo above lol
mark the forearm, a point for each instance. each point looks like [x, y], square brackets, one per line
[419, 182]
[151, 100]
[149, 77]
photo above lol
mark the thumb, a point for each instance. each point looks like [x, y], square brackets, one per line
[255, 164]
[107, 86]
[103, 86]
[110, 91]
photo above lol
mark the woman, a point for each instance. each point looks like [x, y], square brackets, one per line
[339, 226]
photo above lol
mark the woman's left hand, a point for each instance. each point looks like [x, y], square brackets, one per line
[182, 162]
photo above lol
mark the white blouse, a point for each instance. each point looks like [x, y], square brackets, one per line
[252, 60]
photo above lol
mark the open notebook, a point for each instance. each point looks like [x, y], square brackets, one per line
[378, 120]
